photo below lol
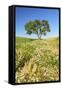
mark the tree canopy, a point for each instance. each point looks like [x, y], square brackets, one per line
[37, 27]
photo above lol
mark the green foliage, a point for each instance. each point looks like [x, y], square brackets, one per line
[37, 60]
[37, 27]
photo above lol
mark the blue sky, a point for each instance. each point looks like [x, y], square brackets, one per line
[24, 15]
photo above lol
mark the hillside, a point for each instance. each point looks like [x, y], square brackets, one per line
[37, 60]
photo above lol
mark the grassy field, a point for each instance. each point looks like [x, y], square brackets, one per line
[37, 60]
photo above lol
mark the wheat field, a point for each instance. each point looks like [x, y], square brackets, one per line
[37, 60]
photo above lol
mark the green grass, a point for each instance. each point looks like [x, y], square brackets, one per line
[37, 60]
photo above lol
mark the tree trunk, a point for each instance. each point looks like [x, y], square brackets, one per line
[39, 36]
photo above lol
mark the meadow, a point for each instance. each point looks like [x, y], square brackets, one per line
[37, 60]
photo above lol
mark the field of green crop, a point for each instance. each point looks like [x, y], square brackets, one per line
[37, 60]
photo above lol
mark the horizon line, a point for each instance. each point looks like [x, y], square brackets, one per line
[37, 38]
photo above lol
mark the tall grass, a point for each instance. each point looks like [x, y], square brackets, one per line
[37, 60]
